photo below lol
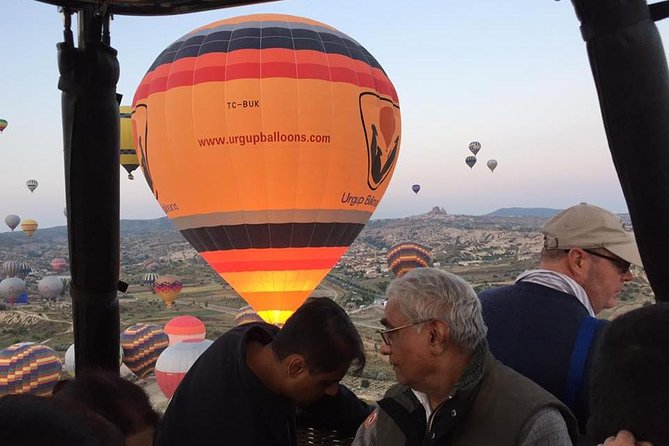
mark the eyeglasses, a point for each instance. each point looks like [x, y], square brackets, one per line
[387, 337]
[622, 265]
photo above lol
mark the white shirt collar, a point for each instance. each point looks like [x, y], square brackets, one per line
[559, 282]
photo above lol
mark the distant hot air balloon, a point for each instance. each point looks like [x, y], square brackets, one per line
[243, 178]
[406, 256]
[11, 268]
[128, 156]
[470, 161]
[32, 185]
[150, 264]
[474, 147]
[185, 327]
[167, 288]
[24, 271]
[49, 287]
[148, 280]
[59, 264]
[28, 368]
[415, 188]
[175, 361]
[12, 221]
[11, 289]
[3, 124]
[142, 345]
[29, 227]
[492, 164]
[247, 314]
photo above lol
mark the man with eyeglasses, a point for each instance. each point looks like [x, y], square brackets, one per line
[451, 390]
[544, 326]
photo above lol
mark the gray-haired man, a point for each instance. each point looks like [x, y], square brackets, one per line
[451, 390]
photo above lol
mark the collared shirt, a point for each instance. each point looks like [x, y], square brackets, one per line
[559, 282]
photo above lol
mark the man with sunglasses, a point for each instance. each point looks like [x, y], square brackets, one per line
[544, 326]
[451, 390]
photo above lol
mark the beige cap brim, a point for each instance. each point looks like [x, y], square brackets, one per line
[628, 252]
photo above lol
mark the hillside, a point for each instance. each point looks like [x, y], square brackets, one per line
[524, 212]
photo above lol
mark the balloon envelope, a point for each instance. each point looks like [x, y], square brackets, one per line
[129, 159]
[49, 287]
[268, 150]
[175, 361]
[24, 270]
[11, 268]
[29, 227]
[148, 280]
[142, 345]
[474, 147]
[167, 288]
[406, 256]
[185, 327]
[28, 368]
[492, 164]
[415, 188]
[12, 221]
[247, 314]
[470, 161]
[59, 264]
[32, 185]
[3, 124]
[11, 289]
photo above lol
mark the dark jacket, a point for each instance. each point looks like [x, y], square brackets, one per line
[221, 401]
[491, 407]
[532, 329]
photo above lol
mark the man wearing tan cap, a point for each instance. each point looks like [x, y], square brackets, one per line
[544, 326]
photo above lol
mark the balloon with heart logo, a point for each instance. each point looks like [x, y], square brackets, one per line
[269, 141]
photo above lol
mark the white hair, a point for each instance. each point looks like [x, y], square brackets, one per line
[430, 293]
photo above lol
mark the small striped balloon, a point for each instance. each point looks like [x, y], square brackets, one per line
[142, 345]
[406, 256]
[28, 367]
[246, 315]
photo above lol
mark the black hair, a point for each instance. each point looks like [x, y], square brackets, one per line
[29, 420]
[119, 401]
[629, 388]
[322, 332]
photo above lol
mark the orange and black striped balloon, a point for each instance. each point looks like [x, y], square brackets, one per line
[28, 367]
[406, 256]
[142, 345]
[269, 141]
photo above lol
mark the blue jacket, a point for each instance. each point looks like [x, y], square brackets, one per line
[533, 329]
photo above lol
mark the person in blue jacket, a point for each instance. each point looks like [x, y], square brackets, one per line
[544, 326]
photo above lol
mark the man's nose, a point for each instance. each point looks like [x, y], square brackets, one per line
[385, 349]
[627, 276]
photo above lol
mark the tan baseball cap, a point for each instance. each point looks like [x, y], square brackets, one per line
[587, 226]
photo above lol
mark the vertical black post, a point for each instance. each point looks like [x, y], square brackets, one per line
[88, 77]
[630, 71]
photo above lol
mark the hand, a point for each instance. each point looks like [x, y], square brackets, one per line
[624, 438]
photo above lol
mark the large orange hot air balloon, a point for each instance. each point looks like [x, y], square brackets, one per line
[406, 256]
[268, 150]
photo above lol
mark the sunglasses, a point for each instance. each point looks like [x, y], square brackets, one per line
[622, 265]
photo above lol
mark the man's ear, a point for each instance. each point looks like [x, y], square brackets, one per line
[439, 336]
[295, 365]
[577, 263]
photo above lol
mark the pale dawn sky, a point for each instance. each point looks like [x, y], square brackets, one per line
[513, 76]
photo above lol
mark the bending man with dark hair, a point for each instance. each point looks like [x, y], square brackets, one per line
[244, 390]
[629, 388]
